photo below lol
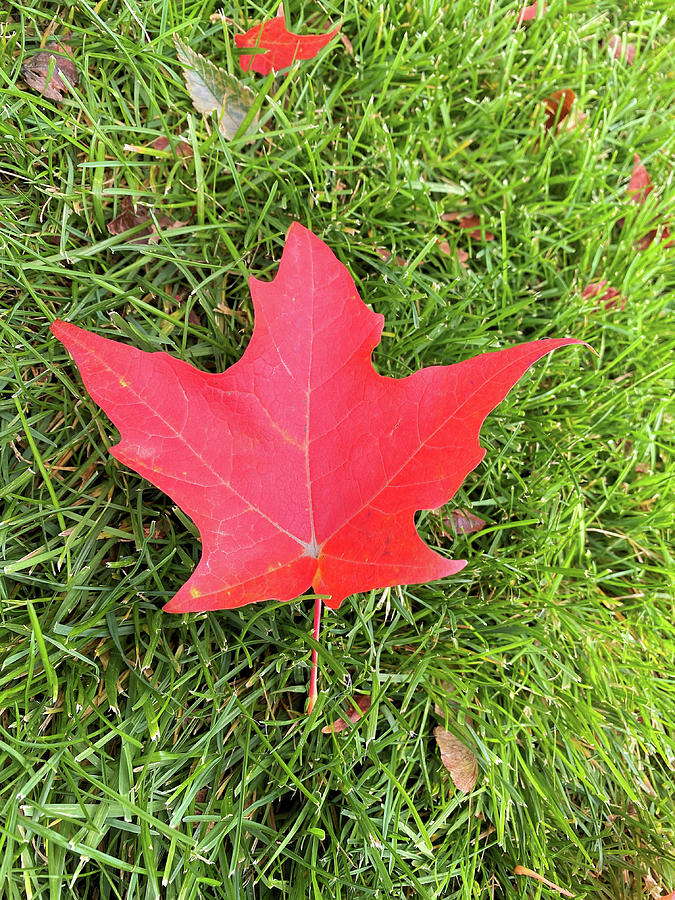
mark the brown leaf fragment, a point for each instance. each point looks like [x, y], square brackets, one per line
[522, 870]
[163, 146]
[181, 147]
[387, 256]
[347, 43]
[620, 50]
[473, 221]
[131, 217]
[44, 71]
[461, 521]
[451, 216]
[458, 759]
[558, 107]
[353, 714]
[461, 255]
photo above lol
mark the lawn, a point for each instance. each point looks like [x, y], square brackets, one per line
[147, 755]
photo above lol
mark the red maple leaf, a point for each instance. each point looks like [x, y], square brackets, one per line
[283, 46]
[300, 464]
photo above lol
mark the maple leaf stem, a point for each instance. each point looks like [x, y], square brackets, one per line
[313, 693]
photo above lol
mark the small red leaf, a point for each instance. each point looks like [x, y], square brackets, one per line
[283, 46]
[558, 107]
[639, 188]
[461, 521]
[528, 13]
[300, 465]
[640, 185]
[619, 49]
[352, 715]
[610, 298]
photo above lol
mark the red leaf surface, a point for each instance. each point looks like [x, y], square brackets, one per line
[299, 464]
[282, 46]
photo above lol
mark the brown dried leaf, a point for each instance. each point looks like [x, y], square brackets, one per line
[464, 522]
[461, 255]
[181, 148]
[36, 71]
[387, 256]
[458, 759]
[130, 218]
[473, 221]
[353, 714]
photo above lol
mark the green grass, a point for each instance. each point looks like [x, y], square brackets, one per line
[145, 755]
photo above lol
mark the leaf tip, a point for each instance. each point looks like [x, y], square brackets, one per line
[62, 331]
